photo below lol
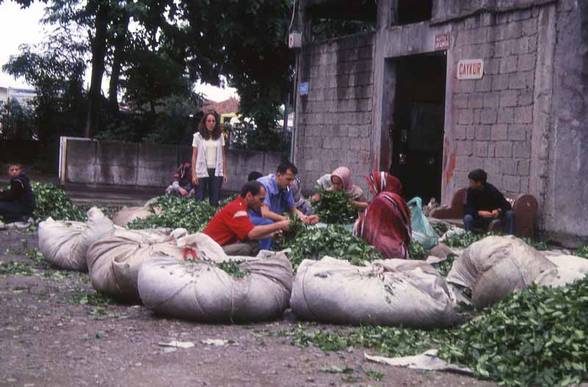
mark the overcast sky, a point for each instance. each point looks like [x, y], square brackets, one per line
[19, 26]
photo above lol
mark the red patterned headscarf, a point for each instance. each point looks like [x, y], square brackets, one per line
[384, 182]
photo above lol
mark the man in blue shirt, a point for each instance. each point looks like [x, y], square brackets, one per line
[279, 200]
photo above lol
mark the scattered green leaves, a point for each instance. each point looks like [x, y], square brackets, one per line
[92, 298]
[334, 241]
[233, 268]
[177, 212]
[582, 252]
[334, 208]
[375, 375]
[52, 201]
[465, 239]
[16, 268]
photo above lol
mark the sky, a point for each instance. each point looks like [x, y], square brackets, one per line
[22, 26]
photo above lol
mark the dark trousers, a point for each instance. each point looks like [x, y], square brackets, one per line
[471, 223]
[211, 184]
[13, 212]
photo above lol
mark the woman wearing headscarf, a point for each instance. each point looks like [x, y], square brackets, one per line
[385, 224]
[340, 180]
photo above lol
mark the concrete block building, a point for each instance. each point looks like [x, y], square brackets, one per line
[440, 87]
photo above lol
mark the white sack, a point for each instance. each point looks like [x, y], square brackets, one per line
[569, 268]
[386, 292]
[114, 261]
[200, 291]
[126, 215]
[494, 267]
[65, 244]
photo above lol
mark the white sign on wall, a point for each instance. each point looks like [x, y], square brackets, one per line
[470, 69]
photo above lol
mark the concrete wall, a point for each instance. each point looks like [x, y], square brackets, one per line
[334, 121]
[149, 165]
[566, 188]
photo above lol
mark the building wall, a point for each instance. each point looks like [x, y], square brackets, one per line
[149, 165]
[334, 121]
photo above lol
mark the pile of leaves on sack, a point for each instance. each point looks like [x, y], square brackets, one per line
[176, 212]
[52, 201]
[232, 268]
[334, 241]
[537, 336]
[582, 252]
[334, 208]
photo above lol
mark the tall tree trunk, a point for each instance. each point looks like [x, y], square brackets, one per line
[98, 54]
[119, 47]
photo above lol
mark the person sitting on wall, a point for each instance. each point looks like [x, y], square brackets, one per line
[18, 202]
[340, 180]
[385, 224]
[182, 184]
[485, 204]
[231, 227]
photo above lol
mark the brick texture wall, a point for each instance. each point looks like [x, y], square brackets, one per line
[493, 116]
[334, 121]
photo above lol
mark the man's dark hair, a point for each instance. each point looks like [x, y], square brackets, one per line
[254, 176]
[478, 175]
[285, 165]
[251, 186]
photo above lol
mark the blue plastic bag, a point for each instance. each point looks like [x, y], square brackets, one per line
[422, 231]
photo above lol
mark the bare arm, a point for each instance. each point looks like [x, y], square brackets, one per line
[261, 232]
[359, 204]
[267, 213]
[224, 165]
[194, 159]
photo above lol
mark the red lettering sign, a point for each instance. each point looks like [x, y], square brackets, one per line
[470, 69]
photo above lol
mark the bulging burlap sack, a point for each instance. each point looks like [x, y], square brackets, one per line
[201, 291]
[65, 244]
[114, 261]
[387, 292]
[494, 267]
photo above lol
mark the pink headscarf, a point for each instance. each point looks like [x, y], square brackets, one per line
[344, 174]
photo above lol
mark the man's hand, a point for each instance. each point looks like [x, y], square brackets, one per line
[183, 192]
[485, 214]
[195, 180]
[315, 198]
[283, 224]
[496, 213]
[310, 219]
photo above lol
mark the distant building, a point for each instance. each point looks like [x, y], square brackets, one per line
[22, 96]
[440, 87]
[227, 109]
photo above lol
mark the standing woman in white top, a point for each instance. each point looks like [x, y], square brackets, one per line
[208, 158]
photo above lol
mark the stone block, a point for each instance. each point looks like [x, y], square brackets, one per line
[492, 66]
[465, 148]
[518, 132]
[490, 100]
[526, 97]
[521, 15]
[471, 132]
[505, 115]
[521, 149]
[524, 184]
[524, 115]
[465, 86]
[484, 84]
[503, 149]
[502, 48]
[481, 149]
[477, 115]
[523, 167]
[529, 27]
[461, 101]
[508, 64]
[511, 183]
[521, 80]
[527, 62]
[465, 116]
[491, 149]
[508, 98]
[513, 30]
[476, 101]
[483, 132]
[501, 81]
[488, 116]
[508, 166]
[459, 132]
[499, 132]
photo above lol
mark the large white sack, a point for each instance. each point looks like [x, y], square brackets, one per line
[114, 261]
[386, 292]
[569, 268]
[65, 244]
[494, 267]
[200, 291]
[126, 215]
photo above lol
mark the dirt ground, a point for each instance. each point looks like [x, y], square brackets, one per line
[54, 333]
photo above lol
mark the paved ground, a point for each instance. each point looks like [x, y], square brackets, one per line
[54, 332]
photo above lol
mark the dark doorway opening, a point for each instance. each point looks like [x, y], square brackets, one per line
[413, 11]
[418, 124]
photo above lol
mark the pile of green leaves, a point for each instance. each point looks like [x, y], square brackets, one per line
[417, 251]
[582, 252]
[334, 208]
[52, 201]
[334, 241]
[537, 336]
[465, 239]
[232, 268]
[176, 212]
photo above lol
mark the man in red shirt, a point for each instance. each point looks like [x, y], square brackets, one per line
[231, 226]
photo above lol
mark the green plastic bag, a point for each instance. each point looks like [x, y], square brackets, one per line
[422, 231]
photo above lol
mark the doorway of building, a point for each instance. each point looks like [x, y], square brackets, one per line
[417, 124]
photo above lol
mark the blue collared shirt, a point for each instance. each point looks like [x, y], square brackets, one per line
[276, 199]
